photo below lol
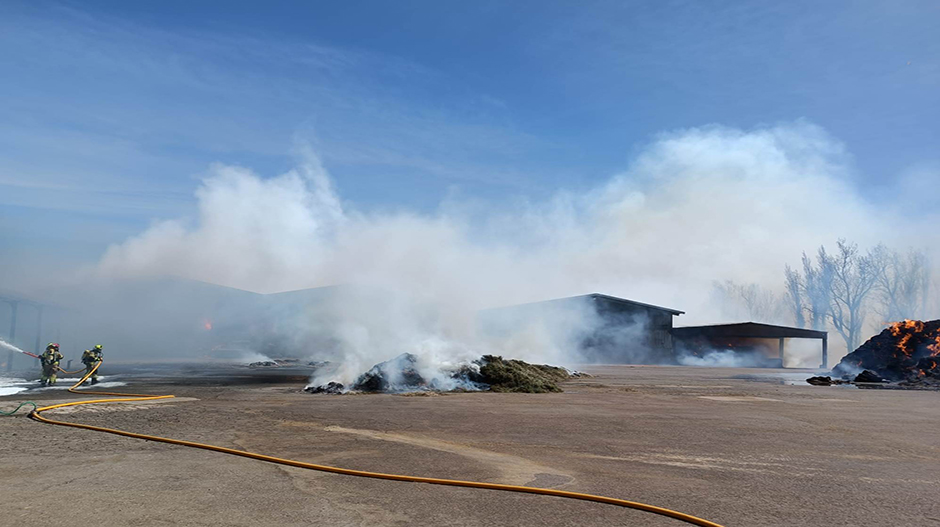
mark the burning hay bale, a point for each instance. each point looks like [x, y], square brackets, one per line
[398, 374]
[404, 374]
[906, 352]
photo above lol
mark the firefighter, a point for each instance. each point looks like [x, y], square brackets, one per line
[90, 359]
[50, 364]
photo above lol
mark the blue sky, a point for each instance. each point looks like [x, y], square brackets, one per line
[111, 111]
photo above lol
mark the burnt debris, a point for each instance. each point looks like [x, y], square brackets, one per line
[868, 376]
[330, 387]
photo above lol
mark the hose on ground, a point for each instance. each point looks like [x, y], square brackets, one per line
[128, 397]
[22, 404]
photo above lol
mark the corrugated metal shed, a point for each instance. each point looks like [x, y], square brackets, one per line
[744, 334]
[748, 329]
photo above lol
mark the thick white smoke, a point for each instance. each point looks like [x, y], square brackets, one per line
[695, 206]
[251, 233]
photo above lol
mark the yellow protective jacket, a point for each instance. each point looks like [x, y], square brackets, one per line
[50, 357]
[90, 357]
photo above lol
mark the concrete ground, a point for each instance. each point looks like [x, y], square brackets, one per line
[735, 446]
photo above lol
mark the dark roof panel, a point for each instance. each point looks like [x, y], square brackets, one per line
[748, 329]
[592, 296]
[635, 303]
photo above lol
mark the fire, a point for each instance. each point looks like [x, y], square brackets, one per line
[907, 352]
[902, 344]
[897, 327]
[207, 325]
[909, 328]
[935, 347]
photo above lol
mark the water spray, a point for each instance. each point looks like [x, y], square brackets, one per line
[6, 345]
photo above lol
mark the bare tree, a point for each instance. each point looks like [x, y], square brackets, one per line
[853, 277]
[902, 282]
[932, 306]
[749, 301]
[817, 288]
[794, 295]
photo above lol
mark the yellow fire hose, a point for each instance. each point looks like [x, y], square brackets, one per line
[62, 370]
[128, 397]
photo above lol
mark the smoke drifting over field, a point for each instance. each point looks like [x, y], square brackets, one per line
[694, 206]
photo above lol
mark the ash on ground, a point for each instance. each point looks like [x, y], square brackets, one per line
[905, 355]
[403, 374]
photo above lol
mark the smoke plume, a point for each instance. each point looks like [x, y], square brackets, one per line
[695, 206]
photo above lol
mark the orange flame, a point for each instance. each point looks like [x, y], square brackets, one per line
[908, 327]
[902, 344]
[207, 325]
[935, 347]
[897, 327]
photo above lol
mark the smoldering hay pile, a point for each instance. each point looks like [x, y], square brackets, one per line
[906, 353]
[403, 374]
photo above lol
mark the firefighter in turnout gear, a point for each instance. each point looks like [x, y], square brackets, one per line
[90, 359]
[50, 364]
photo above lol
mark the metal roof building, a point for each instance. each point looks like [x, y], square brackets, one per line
[748, 337]
[617, 330]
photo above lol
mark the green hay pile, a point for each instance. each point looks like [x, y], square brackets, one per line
[518, 376]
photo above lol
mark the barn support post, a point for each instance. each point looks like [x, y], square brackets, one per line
[781, 344]
[825, 353]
